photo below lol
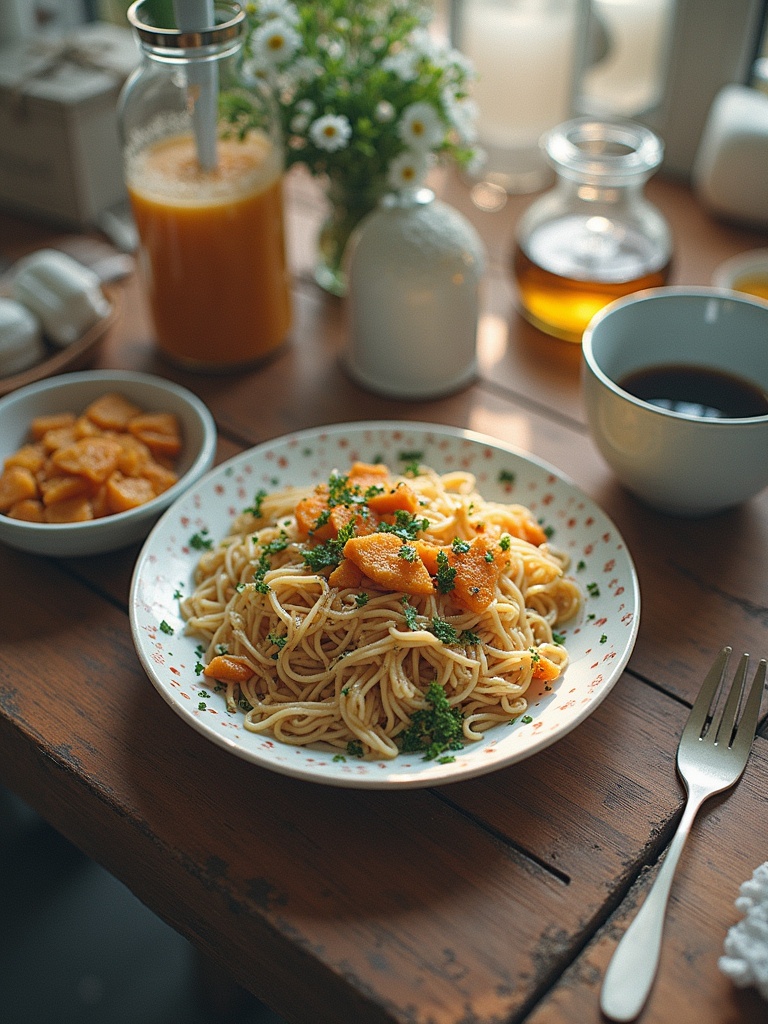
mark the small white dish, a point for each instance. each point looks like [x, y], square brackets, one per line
[599, 642]
[73, 392]
[747, 273]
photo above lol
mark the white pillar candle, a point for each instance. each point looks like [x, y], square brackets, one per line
[629, 79]
[524, 53]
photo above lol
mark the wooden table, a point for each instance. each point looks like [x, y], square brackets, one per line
[490, 900]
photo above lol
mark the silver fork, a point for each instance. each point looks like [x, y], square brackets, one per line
[711, 757]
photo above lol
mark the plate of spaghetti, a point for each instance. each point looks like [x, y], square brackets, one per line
[384, 604]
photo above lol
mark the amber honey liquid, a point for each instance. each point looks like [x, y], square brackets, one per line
[568, 270]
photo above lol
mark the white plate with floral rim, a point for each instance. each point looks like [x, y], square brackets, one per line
[599, 642]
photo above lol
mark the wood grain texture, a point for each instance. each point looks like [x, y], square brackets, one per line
[494, 900]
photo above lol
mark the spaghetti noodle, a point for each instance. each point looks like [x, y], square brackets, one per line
[327, 615]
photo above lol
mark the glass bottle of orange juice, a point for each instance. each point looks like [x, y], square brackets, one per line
[203, 161]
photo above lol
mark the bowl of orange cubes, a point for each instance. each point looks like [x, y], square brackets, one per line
[90, 460]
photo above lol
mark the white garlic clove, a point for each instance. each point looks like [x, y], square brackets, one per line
[64, 294]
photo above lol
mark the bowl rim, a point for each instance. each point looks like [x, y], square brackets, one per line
[157, 504]
[729, 271]
[667, 291]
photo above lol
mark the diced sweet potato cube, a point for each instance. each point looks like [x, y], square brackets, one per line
[159, 431]
[394, 499]
[380, 557]
[112, 412]
[95, 458]
[545, 669]
[30, 510]
[160, 477]
[42, 424]
[124, 492]
[61, 488]
[99, 503]
[228, 668]
[477, 573]
[346, 574]
[30, 456]
[83, 427]
[58, 437]
[73, 510]
[309, 510]
[16, 484]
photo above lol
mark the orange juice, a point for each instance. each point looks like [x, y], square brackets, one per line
[212, 249]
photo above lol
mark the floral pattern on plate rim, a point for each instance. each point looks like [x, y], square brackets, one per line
[599, 642]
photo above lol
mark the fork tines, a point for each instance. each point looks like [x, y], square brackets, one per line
[711, 715]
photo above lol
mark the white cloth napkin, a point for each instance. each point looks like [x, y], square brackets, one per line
[746, 945]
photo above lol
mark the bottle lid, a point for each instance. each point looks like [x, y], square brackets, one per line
[229, 21]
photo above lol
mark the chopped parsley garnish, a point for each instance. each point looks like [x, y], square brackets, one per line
[434, 729]
[444, 631]
[460, 546]
[255, 508]
[506, 476]
[505, 542]
[581, 565]
[489, 557]
[201, 541]
[361, 599]
[408, 553]
[410, 614]
[558, 638]
[526, 719]
[446, 574]
[467, 637]
[603, 638]
[593, 590]
[355, 748]
[279, 641]
[406, 526]
[165, 628]
[329, 554]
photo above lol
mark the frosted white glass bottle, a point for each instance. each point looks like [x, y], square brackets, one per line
[414, 267]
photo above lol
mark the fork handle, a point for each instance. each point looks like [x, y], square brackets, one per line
[632, 969]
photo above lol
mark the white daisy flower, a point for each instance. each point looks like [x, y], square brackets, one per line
[275, 42]
[403, 65]
[384, 112]
[421, 127]
[282, 9]
[407, 170]
[462, 116]
[330, 132]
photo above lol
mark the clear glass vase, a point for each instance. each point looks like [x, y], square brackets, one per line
[348, 205]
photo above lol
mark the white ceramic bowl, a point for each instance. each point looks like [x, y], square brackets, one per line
[73, 392]
[747, 272]
[678, 462]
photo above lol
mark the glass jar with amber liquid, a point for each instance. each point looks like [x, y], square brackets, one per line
[594, 236]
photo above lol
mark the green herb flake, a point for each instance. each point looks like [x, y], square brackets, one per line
[355, 748]
[165, 628]
[461, 547]
[506, 476]
[603, 639]
[593, 590]
[558, 638]
[436, 728]
[255, 508]
[408, 553]
[444, 631]
[410, 614]
[361, 599]
[446, 574]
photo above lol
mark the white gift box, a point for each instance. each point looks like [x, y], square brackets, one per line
[60, 156]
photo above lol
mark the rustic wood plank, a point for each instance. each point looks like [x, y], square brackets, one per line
[722, 852]
[408, 896]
